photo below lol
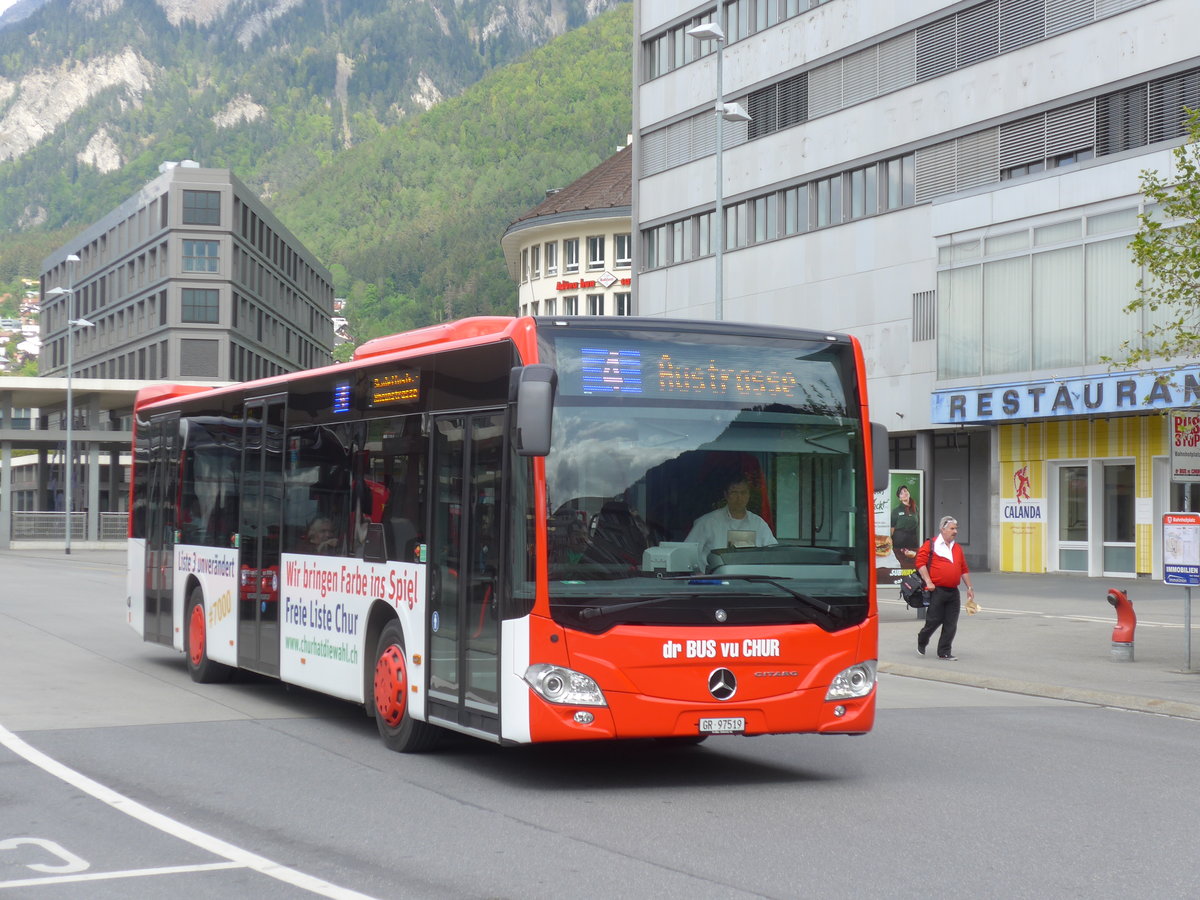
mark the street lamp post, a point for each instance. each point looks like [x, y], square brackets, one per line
[711, 31]
[73, 321]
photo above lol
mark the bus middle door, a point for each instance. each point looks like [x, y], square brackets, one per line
[464, 555]
[259, 535]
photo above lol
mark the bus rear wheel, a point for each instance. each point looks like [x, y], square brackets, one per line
[195, 643]
[400, 732]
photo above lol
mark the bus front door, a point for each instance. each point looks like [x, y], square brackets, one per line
[464, 554]
[259, 535]
[163, 478]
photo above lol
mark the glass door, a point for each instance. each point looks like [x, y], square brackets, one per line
[259, 535]
[464, 553]
[1072, 518]
[163, 466]
[1120, 532]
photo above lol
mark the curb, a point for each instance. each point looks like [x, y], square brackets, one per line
[1172, 708]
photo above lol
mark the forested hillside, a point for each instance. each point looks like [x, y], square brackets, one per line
[320, 105]
[412, 219]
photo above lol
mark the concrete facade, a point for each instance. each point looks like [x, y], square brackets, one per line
[926, 176]
[192, 277]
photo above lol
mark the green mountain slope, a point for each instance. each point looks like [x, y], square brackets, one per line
[415, 215]
[319, 106]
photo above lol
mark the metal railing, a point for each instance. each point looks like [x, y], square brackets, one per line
[52, 526]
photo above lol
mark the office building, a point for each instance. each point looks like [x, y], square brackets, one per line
[190, 278]
[956, 184]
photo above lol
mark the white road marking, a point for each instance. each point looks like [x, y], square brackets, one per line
[127, 873]
[1103, 620]
[236, 855]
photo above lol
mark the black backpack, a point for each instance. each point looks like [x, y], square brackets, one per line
[912, 587]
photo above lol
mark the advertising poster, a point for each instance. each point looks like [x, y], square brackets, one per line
[1184, 442]
[899, 525]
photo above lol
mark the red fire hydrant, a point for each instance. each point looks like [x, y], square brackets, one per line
[1122, 636]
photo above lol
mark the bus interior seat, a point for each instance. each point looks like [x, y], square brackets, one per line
[619, 534]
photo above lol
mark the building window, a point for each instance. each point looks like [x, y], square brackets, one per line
[864, 191]
[595, 249]
[595, 304]
[525, 265]
[623, 304]
[201, 208]
[570, 305]
[795, 210]
[652, 250]
[552, 258]
[551, 306]
[200, 256]
[623, 247]
[1020, 305]
[571, 255]
[199, 305]
[829, 201]
[898, 177]
[535, 261]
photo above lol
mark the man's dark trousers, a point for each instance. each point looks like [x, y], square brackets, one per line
[943, 611]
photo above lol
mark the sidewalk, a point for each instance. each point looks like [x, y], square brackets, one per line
[1051, 636]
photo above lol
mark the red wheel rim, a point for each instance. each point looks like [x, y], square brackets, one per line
[196, 635]
[391, 685]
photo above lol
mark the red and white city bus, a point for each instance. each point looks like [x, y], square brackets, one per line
[502, 510]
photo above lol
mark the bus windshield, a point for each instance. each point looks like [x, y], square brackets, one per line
[701, 477]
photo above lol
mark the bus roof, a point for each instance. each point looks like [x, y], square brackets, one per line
[447, 336]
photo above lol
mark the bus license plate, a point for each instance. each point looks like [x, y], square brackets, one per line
[722, 726]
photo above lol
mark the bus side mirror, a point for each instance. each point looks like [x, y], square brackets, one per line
[879, 454]
[534, 394]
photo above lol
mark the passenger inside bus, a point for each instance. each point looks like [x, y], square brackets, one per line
[320, 536]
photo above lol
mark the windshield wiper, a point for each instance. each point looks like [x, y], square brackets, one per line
[592, 612]
[798, 596]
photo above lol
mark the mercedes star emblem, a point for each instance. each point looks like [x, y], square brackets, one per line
[722, 684]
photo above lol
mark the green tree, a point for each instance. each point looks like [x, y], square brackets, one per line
[1167, 248]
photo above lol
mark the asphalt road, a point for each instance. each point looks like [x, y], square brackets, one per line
[119, 777]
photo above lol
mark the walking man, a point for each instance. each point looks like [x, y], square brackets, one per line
[942, 564]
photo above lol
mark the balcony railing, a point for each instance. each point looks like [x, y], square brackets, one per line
[52, 526]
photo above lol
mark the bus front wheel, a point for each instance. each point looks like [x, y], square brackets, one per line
[399, 730]
[195, 643]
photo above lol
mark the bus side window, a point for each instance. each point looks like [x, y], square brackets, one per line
[392, 492]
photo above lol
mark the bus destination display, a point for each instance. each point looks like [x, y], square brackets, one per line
[395, 389]
[611, 371]
[708, 373]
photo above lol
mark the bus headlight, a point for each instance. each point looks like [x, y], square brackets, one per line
[856, 681]
[565, 686]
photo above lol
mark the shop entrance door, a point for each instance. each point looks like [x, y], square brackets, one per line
[1070, 525]
[1119, 504]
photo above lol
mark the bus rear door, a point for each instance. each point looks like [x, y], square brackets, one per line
[163, 479]
[464, 553]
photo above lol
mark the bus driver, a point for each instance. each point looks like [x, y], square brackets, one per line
[732, 525]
